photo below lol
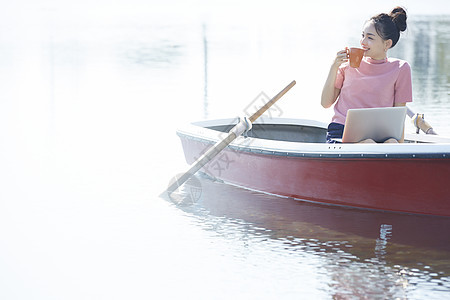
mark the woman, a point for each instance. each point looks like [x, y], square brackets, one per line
[378, 82]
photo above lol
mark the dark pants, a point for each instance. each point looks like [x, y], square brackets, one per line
[335, 131]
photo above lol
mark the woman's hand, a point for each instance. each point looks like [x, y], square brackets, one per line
[341, 57]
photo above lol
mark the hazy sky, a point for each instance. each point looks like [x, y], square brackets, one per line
[317, 8]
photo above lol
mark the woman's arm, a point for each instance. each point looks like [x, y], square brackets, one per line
[330, 92]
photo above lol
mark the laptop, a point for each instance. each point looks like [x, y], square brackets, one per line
[378, 124]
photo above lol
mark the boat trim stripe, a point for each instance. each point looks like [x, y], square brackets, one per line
[437, 155]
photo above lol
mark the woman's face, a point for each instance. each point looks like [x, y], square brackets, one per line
[374, 45]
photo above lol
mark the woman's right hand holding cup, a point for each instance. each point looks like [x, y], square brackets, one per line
[341, 57]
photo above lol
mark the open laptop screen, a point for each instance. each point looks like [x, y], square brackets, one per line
[378, 124]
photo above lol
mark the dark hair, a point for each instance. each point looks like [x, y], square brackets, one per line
[388, 26]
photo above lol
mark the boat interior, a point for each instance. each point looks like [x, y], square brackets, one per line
[282, 132]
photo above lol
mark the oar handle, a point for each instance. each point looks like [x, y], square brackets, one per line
[263, 109]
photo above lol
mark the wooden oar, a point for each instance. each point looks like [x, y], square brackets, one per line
[219, 146]
[419, 122]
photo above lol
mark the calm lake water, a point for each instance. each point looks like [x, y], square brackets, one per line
[90, 99]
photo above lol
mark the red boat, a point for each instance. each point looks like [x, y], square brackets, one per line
[290, 158]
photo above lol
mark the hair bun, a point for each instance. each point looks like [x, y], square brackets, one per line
[398, 16]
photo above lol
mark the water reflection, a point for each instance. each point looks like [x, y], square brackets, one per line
[158, 54]
[366, 253]
[425, 46]
[205, 68]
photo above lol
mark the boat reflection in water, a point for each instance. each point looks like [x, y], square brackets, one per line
[363, 251]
